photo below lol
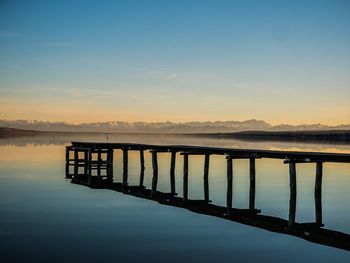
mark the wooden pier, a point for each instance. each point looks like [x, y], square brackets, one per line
[95, 160]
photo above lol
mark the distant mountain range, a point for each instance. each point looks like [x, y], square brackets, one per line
[164, 127]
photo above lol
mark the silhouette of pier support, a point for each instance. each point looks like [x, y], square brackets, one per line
[125, 168]
[229, 184]
[252, 184]
[205, 174]
[206, 178]
[86, 160]
[77, 158]
[155, 173]
[252, 176]
[293, 191]
[318, 193]
[142, 168]
[185, 176]
[172, 173]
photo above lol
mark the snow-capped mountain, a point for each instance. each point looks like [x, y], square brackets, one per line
[163, 127]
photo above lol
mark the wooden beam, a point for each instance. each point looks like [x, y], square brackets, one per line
[206, 177]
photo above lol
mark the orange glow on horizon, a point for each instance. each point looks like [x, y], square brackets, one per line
[80, 112]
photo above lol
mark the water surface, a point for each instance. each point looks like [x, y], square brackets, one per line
[43, 217]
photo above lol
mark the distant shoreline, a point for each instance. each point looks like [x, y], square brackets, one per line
[291, 136]
[336, 136]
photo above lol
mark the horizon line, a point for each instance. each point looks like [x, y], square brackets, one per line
[173, 122]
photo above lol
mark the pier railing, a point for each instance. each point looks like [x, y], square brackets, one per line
[90, 157]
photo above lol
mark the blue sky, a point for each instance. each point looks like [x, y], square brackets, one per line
[78, 61]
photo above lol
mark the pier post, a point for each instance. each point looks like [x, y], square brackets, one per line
[251, 183]
[172, 173]
[86, 163]
[67, 162]
[99, 160]
[318, 193]
[185, 177]
[206, 177]
[125, 169]
[89, 170]
[293, 193]
[142, 168]
[155, 173]
[76, 163]
[110, 165]
[229, 184]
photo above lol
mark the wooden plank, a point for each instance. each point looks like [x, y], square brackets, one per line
[155, 173]
[252, 183]
[206, 177]
[293, 193]
[172, 173]
[142, 167]
[185, 177]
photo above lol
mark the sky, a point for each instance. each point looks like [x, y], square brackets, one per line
[180, 60]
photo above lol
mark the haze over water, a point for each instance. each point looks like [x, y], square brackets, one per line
[43, 214]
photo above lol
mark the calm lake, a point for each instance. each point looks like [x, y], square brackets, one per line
[46, 218]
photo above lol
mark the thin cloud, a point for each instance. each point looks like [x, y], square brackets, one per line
[15, 66]
[172, 76]
[9, 34]
[57, 44]
[163, 74]
[12, 66]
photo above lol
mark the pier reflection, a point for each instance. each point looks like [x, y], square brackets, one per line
[96, 162]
